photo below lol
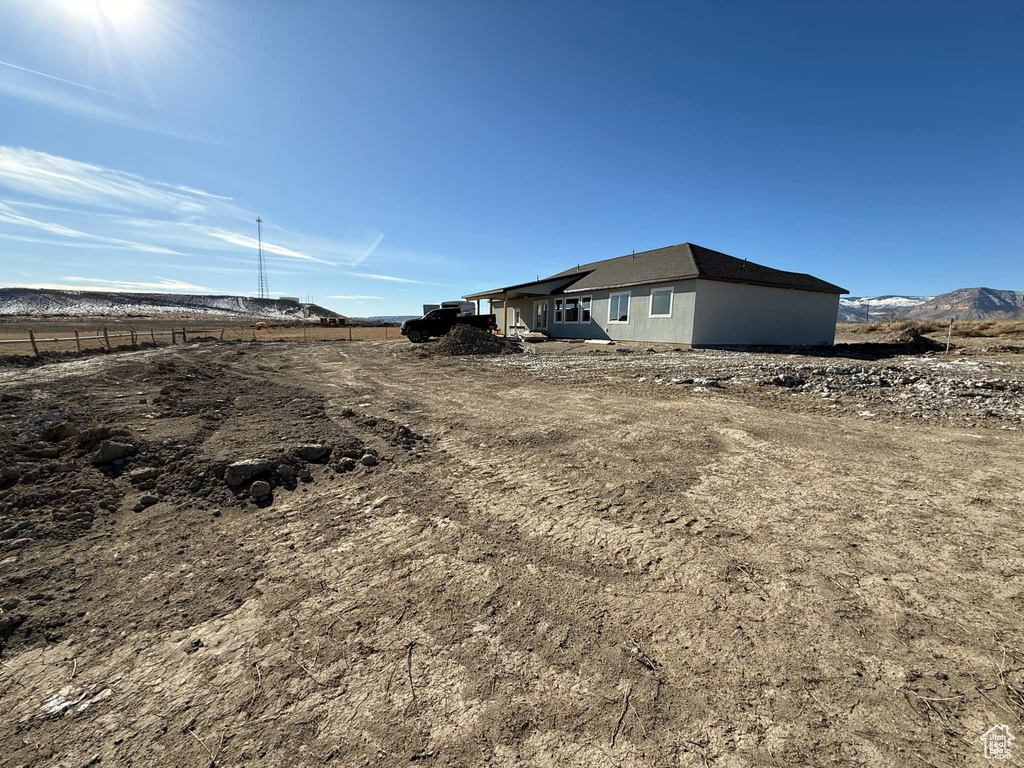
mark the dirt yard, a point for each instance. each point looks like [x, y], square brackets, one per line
[567, 557]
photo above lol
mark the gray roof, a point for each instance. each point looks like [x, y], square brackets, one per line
[684, 262]
[675, 262]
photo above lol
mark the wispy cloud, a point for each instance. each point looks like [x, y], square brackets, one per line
[162, 285]
[59, 79]
[392, 278]
[92, 103]
[251, 242]
[7, 214]
[71, 181]
[49, 202]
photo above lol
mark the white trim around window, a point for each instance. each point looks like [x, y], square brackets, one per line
[586, 302]
[558, 311]
[615, 308]
[670, 293]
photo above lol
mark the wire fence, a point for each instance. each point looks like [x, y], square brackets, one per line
[107, 339]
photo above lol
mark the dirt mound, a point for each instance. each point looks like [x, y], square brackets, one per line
[466, 340]
[913, 339]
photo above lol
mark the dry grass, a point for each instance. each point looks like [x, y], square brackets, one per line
[232, 331]
[963, 329]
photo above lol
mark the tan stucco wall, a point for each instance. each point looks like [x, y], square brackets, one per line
[735, 313]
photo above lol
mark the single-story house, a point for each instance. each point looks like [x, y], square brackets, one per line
[682, 294]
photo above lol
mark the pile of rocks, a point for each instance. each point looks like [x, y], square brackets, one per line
[257, 478]
[925, 386]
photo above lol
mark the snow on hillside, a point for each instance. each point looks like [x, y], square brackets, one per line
[31, 302]
[856, 308]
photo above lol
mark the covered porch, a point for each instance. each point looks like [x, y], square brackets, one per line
[522, 308]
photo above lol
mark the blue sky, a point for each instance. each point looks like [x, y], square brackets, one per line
[410, 152]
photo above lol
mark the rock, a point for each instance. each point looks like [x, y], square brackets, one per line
[259, 489]
[143, 474]
[9, 473]
[315, 453]
[109, 451]
[286, 472]
[11, 545]
[14, 530]
[346, 464]
[347, 413]
[243, 471]
[59, 431]
[368, 460]
[148, 501]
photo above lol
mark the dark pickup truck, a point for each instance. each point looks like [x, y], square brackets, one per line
[437, 322]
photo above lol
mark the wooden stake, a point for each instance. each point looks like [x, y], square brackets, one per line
[222, 334]
[153, 337]
[350, 333]
[32, 338]
[106, 337]
[174, 336]
[184, 338]
[949, 334]
[78, 342]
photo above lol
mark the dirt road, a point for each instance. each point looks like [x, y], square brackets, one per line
[585, 570]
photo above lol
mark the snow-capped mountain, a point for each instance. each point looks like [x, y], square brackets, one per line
[858, 309]
[55, 303]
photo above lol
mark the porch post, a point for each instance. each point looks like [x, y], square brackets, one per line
[478, 306]
[504, 305]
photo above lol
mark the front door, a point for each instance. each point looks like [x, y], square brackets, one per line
[540, 315]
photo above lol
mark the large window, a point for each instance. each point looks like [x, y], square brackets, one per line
[572, 310]
[585, 309]
[618, 308]
[661, 302]
[558, 310]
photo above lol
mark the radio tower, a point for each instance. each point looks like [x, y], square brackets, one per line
[263, 292]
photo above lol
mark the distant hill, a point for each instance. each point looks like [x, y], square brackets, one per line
[861, 309]
[53, 303]
[971, 304]
[383, 319]
[965, 303]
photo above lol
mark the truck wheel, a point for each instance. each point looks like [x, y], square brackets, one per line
[416, 337]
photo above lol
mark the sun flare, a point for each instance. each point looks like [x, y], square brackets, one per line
[118, 13]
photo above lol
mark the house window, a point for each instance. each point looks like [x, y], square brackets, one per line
[618, 308]
[572, 310]
[558, 310]
[585, 309]
[661, 302]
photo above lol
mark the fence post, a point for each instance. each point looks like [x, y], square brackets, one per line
[153, 337]
[78, 342]
[174, 336]
[106, 337]
[385, 332]
[32, 338]
[184, 338]
[350, 333]
[222, 334]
